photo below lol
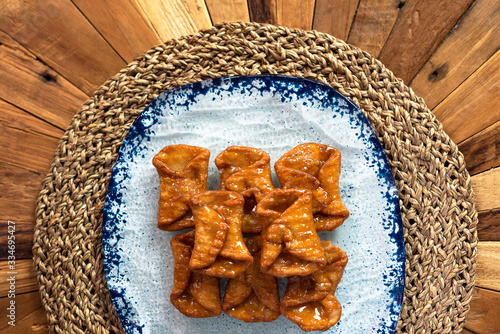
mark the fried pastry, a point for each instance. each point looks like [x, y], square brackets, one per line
[315, 167]
[246, 170]
[252, 296]
[290, 244]
[219, 249]
[183, 173]
[309, 301]
[194, 294]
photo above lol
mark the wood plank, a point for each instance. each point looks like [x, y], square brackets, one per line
[373, 24]
[482, 151]
[76, 50]
[32, 151]
[30, 315]
[295, 13]
[474, 105]
[470, 43]
[184, 17]
[417, 33]
[19, 189]
[19, 119]
[33, 86]
[488, 228]
[484, 310]
[228, 10]
[488, 265]
[24, 239]
[24, 274]
[122, 24]
[263, 11]
[486, 187]
[335, 17]
[466, 331]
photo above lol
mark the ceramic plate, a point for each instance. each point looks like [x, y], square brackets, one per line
[273, 113]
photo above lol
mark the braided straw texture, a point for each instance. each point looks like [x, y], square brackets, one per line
[434, 187]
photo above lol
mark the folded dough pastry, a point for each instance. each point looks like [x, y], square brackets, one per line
[315, 167]
[246, 170]
[194, 294]
[290, 244]
[219, 249]
[183, 173]
[309, 301]
[252, 296]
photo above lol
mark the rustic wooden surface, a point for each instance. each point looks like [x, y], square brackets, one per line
[55, 53]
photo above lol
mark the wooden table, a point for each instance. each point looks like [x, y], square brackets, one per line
[55, 53]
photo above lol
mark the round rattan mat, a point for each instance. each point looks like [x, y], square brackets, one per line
[434, 187]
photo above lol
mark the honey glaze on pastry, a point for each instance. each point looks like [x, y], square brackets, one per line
[290, 244]
[219, 248]
[309, 301]
[183, 173]
[246, 170]
[315, 167]
[252, 296]
[194, 295]
[287, 221]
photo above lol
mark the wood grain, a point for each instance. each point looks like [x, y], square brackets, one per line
[482, 151]
[19, 189]
[26, 142]
[122, 24]
[263, 11]
[484, 310]
[488, 228]
[474, 105]
[75, 51]
[24, 239]
[25, 277]
[486, 188]
[373, 24]
[30, 315]
[33, 86]
[228, 10]
[470, 43]
[32, 151]
[488, 265]
[295, 13]
[421, 27]
[335, 17]
[175, 18]
[466, 331]
[19, 119]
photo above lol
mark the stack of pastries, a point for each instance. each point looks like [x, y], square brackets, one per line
[280, 228]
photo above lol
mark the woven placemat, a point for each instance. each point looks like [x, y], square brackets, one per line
[434, 187]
